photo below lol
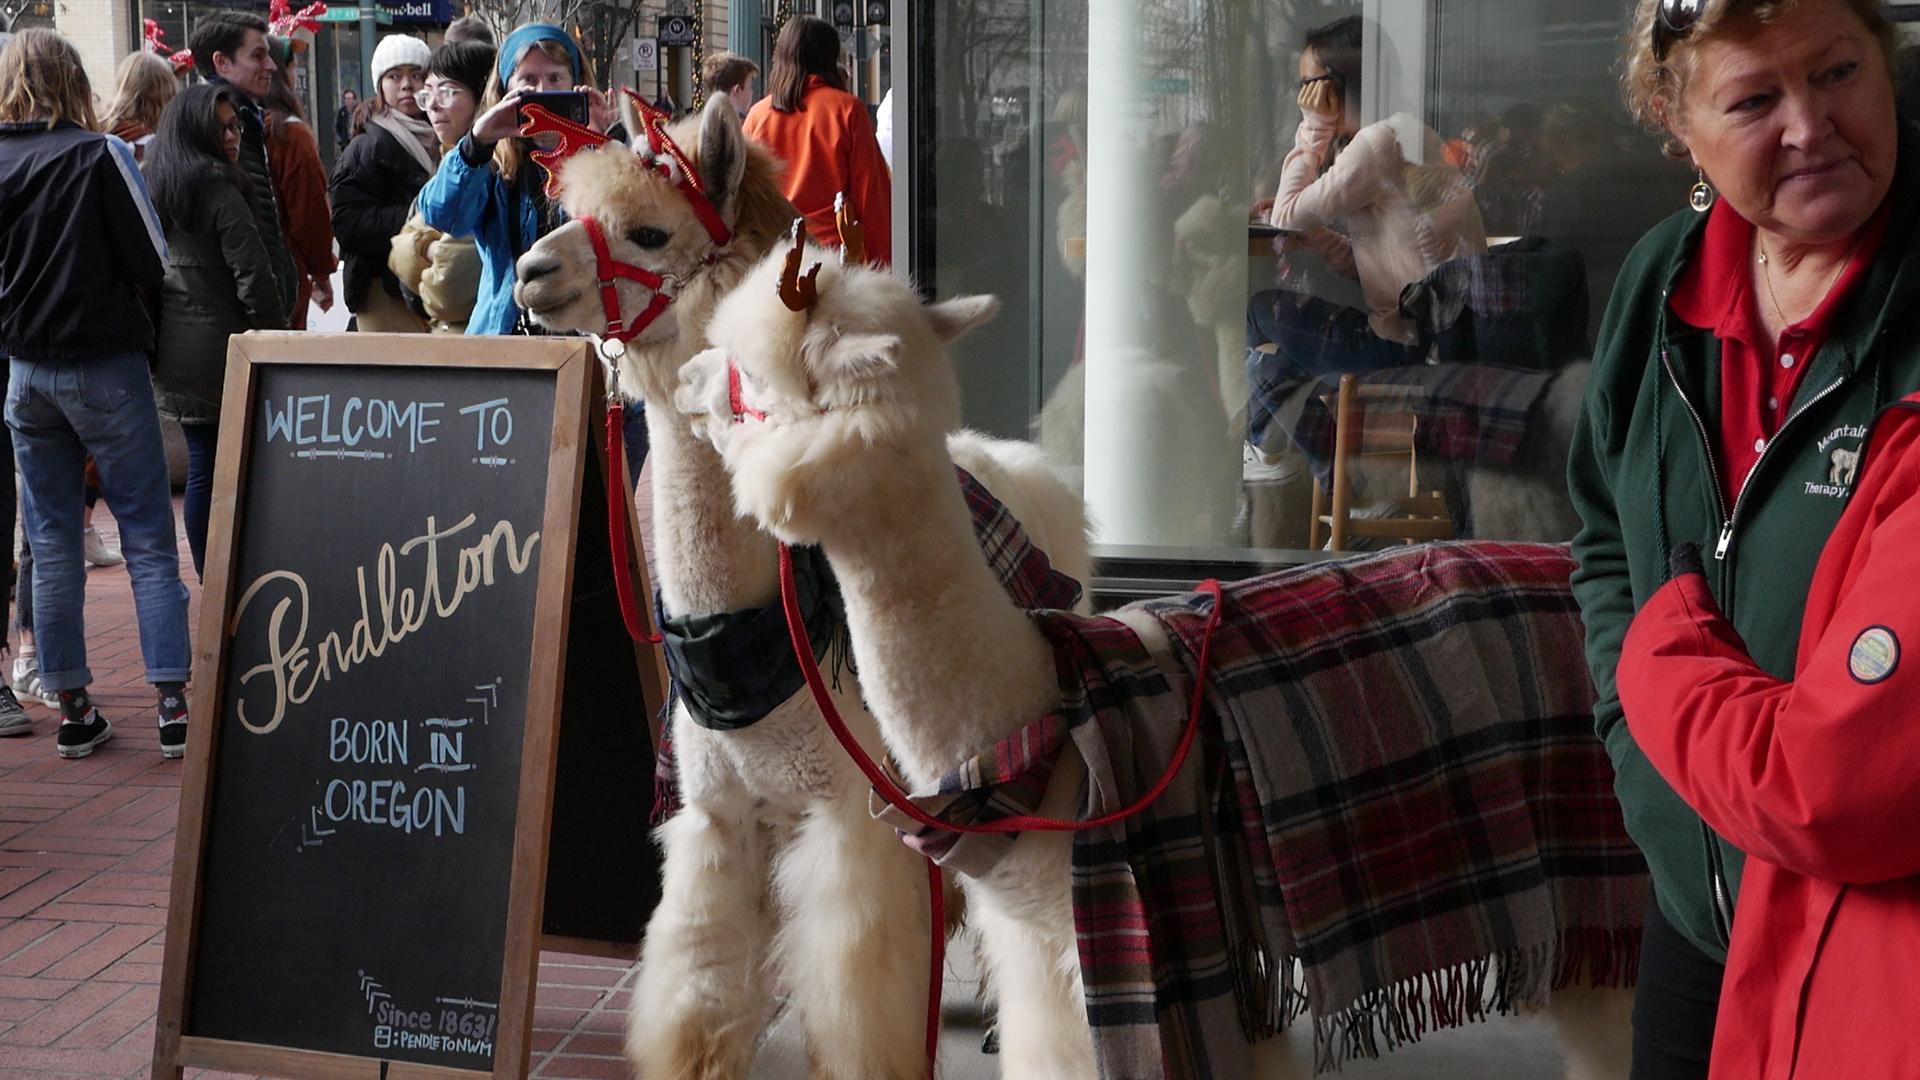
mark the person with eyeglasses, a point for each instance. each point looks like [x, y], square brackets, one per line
[219, 277]
[231, 48]
[375, 182]
[1765, 760]
[440, 274]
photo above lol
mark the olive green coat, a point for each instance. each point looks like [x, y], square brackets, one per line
[220, 282]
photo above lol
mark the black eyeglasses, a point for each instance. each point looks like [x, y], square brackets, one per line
[1672, 22]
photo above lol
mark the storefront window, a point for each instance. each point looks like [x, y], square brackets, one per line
[1449, 224]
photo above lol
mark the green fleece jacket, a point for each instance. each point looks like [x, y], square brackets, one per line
[1642, 474]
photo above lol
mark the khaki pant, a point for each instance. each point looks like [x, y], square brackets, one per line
[383, 314]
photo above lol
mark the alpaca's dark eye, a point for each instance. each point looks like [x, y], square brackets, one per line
[648, 237]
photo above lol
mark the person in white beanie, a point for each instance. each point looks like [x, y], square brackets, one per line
[375, 182]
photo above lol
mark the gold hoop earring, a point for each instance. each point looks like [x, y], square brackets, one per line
[1702, 195]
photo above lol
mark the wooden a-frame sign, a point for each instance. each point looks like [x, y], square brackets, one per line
[422, 739]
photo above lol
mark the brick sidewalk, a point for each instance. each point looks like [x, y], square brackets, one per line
[86, 857]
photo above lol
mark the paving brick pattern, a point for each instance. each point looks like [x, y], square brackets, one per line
[86, 857]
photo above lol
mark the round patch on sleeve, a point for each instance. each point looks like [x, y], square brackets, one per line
[1876, 652]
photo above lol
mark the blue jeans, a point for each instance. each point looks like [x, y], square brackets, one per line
[203, 442]
[60, 412]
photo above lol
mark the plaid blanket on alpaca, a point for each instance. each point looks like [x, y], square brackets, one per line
[733, 668]
[1398, 786]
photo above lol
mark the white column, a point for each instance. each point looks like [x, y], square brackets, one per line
[98, 29]
[1150, 478]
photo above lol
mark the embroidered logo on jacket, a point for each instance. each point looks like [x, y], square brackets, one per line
[1875, 653]
[1842, 462]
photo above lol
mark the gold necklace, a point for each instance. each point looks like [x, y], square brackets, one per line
[1766, 271]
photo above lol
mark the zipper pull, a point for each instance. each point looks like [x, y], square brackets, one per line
[1726, 541]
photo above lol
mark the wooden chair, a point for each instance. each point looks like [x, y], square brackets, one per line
[1374, 421]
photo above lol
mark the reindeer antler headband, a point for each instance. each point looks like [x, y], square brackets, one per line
[573, 139]
[663, 156]
[799, 293]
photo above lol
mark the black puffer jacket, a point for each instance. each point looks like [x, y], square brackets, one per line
[373, 187]
[253, 159]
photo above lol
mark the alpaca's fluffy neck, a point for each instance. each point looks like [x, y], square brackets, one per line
[709, 558]
[947, 663]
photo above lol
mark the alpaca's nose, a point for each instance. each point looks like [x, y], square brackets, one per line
[535, 265]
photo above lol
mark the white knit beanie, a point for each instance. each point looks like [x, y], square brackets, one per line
[397, 50]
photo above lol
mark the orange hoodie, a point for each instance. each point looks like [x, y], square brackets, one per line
[829, 147]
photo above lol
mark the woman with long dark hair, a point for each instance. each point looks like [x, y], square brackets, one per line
[219, 277]
[825, 136]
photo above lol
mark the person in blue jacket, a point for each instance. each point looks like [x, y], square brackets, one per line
[490, 188]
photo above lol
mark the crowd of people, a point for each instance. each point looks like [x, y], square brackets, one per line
[134, 243]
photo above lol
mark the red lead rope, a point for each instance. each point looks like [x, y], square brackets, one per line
[896, 798]
[617, 495]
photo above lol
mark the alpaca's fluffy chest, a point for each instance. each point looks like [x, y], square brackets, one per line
[785, 762]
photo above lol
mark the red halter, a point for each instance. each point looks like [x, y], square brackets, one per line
[741, 410]
[607, 273]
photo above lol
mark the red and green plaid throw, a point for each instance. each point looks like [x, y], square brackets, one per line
[1399, 788]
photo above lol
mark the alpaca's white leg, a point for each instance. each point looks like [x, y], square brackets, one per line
[699, 1000]
[1033, 962]
[1595, 1029]
[855, 947]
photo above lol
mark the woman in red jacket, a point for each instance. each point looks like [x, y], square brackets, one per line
[1817, 779]
[825, 137]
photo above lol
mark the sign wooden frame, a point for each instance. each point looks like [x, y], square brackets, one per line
[578, 415]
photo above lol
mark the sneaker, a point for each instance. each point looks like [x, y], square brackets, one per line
[13, 719]
[78, 737]
[26, 680]
[96, 551]
[173, 725]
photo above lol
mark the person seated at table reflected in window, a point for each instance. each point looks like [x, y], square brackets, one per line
[1372, 208]
[1356, 196]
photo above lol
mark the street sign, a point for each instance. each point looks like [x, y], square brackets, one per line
[646, 54]
[353, 14]
[676, 31]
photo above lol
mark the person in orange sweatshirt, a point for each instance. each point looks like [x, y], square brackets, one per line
[1816, 778]
[825, 137]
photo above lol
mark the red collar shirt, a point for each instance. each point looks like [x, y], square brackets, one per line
[1758, 380]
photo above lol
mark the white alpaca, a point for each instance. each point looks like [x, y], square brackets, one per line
[773, 865]
[856, 396]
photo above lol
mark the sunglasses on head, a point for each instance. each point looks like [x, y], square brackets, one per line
[1673, 20]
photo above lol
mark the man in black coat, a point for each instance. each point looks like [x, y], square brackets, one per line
[343, 120]
[230, 47]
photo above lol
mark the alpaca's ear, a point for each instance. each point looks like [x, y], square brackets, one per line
[864, 356]
[723, 151]
[630, 119]
[952, 318]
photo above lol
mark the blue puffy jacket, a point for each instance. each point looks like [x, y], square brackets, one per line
[464, 199]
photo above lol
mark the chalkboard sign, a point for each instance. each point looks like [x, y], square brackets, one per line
[404, 585]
